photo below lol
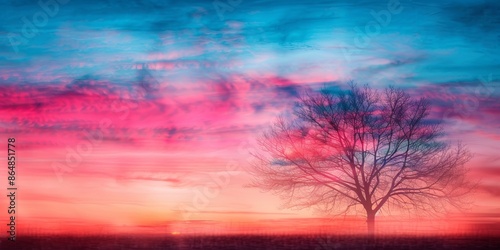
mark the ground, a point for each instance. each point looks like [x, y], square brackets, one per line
[253, 242]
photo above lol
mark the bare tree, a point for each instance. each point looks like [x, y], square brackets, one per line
[361, 149]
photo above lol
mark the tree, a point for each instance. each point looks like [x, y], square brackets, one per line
[361, 149]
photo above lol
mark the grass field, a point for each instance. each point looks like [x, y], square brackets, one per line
[269, 242]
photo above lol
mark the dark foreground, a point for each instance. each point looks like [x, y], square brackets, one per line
[253, 242]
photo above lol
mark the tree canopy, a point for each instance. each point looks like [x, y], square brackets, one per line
[362, 148]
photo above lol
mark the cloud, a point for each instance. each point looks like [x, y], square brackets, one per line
[238, 212]
[493, 190]
[484, 15]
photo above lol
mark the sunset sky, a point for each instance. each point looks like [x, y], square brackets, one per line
[126, 113]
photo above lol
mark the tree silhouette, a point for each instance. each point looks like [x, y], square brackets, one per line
[361, 149]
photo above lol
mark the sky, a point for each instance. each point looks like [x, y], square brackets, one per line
[140, 115]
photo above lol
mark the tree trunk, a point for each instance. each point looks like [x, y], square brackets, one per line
[370, 222]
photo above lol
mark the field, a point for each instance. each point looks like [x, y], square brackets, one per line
[251, 242]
